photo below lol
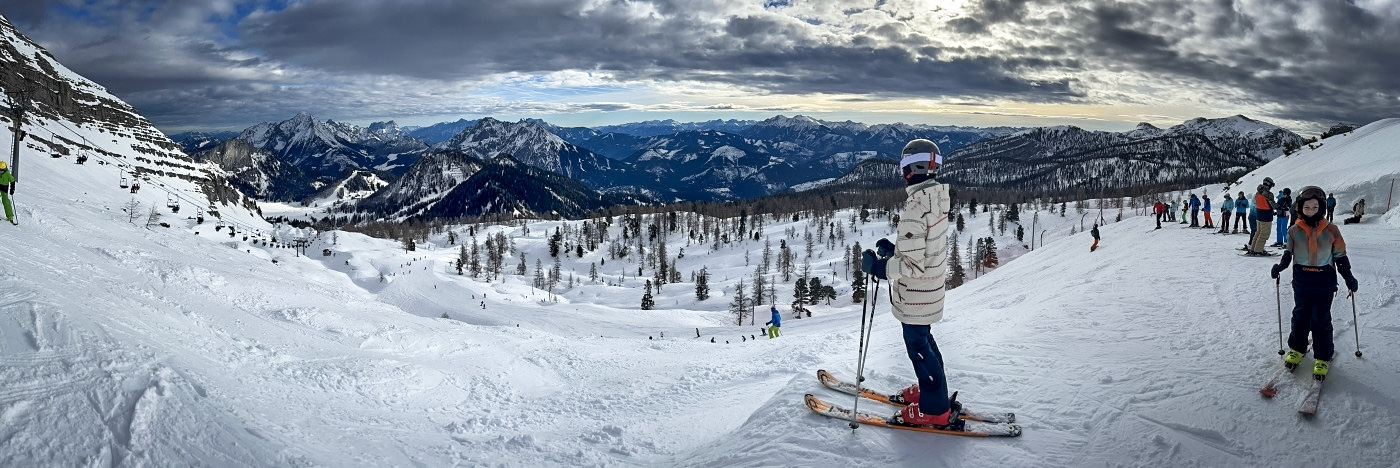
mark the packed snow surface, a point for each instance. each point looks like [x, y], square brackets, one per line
[185, 346]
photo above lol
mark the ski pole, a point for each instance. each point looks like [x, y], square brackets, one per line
[864, 344]
[860, 349]
[1278, 298]
[1355, 325]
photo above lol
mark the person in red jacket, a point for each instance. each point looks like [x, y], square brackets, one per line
[1161, 210]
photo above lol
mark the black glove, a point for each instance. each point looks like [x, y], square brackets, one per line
[884, 248]
[1283, 262]
[1344, 267]
[869, 263]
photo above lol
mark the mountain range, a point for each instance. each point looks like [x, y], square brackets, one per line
[1070, 162]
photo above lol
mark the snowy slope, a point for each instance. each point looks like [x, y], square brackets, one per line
[123, 346]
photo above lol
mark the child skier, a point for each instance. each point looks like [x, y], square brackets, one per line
[1205, 210]
[1095, 233]
[1318, 253]
[917, 279]
[1241, 211]
[1225, 206]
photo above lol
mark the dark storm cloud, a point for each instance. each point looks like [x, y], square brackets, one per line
[236, 62]
[690, 41]
[1343, 68]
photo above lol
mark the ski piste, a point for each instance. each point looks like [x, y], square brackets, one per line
[970, 429]
[830, 381]
[1309, 404]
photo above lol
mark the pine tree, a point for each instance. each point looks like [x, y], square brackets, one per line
[980, 254]
[857, 286]
[1001, 223]
[647, 302]
[593, 272]
[702, 284]
[800, 291]
[556, 273]
[960, 222]
[474, 260]
[739, 307]
[539, 274]
[814, 291]
[1020, 234]
[759, 282]
[1062, 209]
[956, 275]
[989, 259]
[554, 242]
[1013, 214]
[461, 262]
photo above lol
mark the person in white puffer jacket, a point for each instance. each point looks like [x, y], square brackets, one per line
[916, 265]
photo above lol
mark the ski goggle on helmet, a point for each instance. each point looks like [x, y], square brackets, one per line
[1311, 192]
[920, 157]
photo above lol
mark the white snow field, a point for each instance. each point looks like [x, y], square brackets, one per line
[183, 346]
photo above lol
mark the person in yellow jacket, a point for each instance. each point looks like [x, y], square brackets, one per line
[7, 188]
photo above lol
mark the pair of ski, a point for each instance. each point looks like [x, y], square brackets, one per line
[977, 424]
[1310, 401]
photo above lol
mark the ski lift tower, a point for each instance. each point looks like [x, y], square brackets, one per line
[300, 244]
[19, 103]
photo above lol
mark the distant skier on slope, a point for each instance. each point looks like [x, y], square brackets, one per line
[1205, 210]
[1263, 216]
[1331, 206]
[1318, 253]
[1094, 232]
[1226, 206]
[7, 188]
[917, 281]
[1241, 213]
[1195, 203]
[1281, 208]
[1160, 209]
[776, 322]
[1356, 211]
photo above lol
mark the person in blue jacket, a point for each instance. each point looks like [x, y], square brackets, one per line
[1241, 209]
[1226, 206]
[774, 324]
[1195, 211]
[1331, 205]
[1205, 210]
[1281, 211]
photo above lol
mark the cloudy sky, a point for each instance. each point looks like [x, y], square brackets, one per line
[228, 64]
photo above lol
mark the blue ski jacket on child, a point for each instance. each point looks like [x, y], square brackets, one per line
[777, 319]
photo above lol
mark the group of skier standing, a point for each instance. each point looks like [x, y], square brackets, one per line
[916, 266]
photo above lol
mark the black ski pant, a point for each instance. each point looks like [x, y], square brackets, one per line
[1241, 219]
[928, 366]
[1195, 213]
[1312, 313]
